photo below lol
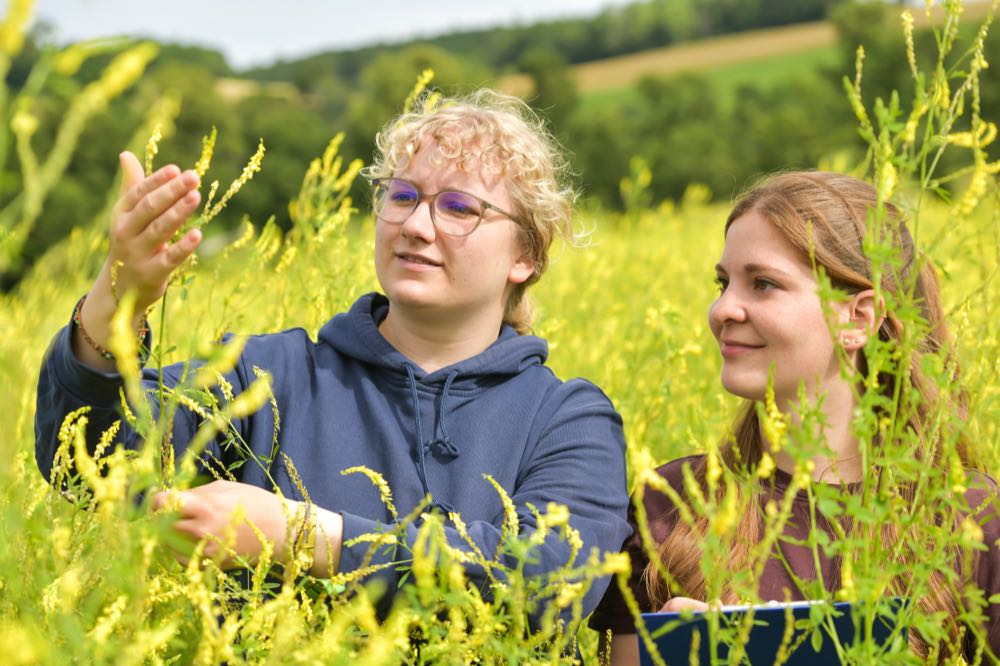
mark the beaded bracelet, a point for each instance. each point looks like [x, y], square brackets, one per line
[102, 352]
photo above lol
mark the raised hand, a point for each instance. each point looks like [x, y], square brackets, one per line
[148, 213]
[143, 252]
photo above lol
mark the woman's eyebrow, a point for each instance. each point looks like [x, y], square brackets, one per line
[753, 268]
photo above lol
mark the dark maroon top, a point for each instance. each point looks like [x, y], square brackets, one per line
[613, 614]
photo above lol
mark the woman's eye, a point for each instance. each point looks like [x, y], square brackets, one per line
[457, 205]
[762, 284]
[402, 197]
[721, 283]
[461, 209]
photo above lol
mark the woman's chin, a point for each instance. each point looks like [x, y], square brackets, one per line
[742, 388]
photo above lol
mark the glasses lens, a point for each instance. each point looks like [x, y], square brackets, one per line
[457, 212]
[394, 199]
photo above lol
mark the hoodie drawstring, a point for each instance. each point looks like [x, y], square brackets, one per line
[442, 444]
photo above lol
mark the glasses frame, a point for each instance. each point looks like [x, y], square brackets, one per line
[421, 196]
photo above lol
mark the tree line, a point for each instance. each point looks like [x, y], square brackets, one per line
[683, 129]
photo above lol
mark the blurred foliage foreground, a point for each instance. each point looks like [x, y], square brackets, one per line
[87, 574]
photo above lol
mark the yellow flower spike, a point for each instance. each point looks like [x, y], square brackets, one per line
[222, 362]
[68, 61]
[910, 131]
[207, 151]
[855, 92]
[425, 558]
[62, 537]
[153, 147]
[575, 542]
[941, 95]
[956, 472]
[287, 257]
[727, 515]
[64, 591]
[766, 466]
[886, 181]
[556, 515]
[911, 56]
[14, 25]
[24, 123]
[511, 525]
[803, 474]
[108, 620]
[252, 167]
[713, 468]
[972, 533]
[847, 590]
[123, 71]
[107, 437]
[456, 576]
[615, 563]
[385, 493]
[422, 81]
[109, 489]
[252, 399]
[568, 593]
[774, 423]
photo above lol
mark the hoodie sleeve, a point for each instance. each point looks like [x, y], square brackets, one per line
[65, 384]
[577, 459]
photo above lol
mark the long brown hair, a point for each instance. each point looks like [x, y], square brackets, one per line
[825, 216]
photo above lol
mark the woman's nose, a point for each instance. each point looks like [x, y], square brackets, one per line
[728, 307]
[420, 224]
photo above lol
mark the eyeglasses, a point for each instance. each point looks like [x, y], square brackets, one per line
[453, 212]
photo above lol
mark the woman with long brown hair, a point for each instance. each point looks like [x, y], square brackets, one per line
[776, 333]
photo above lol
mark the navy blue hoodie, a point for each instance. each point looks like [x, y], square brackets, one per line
[352, 399]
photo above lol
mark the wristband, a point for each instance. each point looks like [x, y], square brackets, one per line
[102, 352]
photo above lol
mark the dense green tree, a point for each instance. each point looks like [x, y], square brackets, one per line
[390, 77]
[555, 93]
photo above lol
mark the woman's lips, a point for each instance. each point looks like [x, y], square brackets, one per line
[416, 261]
[736, 349]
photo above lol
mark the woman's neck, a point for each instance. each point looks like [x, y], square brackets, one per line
[437, 341]
[841, 461]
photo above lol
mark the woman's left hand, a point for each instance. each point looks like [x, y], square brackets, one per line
[209, 513]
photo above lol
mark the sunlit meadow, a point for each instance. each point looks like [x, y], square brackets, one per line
[86, 575]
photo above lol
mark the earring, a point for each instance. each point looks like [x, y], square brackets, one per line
[851, 340]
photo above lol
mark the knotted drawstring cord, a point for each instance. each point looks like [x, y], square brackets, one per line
[443, 444]
[421, 466]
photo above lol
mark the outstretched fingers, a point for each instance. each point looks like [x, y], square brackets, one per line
[161, 229]
[166, 198]
[136, 184]
[175, 253]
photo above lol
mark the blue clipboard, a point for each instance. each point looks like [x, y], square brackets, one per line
[674, 634]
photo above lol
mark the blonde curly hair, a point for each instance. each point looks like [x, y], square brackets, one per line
[489, 130]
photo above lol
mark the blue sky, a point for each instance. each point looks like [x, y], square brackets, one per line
[255, 32]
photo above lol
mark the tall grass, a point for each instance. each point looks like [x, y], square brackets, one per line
[86, 572]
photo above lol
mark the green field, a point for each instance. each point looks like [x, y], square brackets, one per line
[726, 79]
[88, 572]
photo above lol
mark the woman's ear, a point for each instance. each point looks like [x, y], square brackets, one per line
[865, 315]
[522, 269]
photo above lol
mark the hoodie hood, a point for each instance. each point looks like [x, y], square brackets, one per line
[355, 333]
